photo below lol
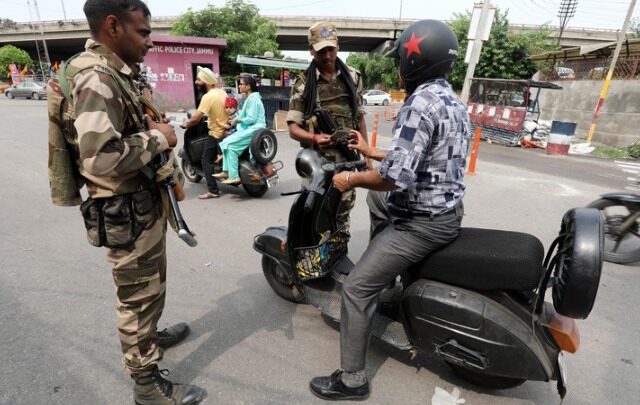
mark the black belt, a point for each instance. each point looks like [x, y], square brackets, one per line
[410, 214]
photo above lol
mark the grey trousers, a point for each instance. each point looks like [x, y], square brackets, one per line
[401, 243]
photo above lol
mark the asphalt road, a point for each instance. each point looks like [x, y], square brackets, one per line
[58, 342]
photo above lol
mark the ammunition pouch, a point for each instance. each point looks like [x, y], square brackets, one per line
[117, 222]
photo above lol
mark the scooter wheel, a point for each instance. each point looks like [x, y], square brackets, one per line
[280, 280]
[484, 380]
[621, 249]
[264, 146]
[189, 171]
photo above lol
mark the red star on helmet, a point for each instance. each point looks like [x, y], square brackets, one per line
[412, 45]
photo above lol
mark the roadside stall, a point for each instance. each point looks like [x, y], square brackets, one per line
[501, 107]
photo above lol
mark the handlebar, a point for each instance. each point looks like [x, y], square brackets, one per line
[329, 166]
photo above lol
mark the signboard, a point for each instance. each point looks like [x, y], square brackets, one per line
[15, 74]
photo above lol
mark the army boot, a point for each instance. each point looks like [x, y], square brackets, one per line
[173, 335]
[152, 389]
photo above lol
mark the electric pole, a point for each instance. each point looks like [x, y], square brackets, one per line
[612, 67]
[566, 11]
[64, 12]
[44, 41]
[481, 34]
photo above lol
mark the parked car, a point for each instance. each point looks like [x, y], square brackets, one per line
[34, 90]
[376, 97]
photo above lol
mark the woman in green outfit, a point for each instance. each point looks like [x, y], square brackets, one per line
[250, 118]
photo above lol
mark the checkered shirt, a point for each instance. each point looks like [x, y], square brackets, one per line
[427, 156]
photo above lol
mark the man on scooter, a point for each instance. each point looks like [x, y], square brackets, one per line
[212, 105]
[423, 173]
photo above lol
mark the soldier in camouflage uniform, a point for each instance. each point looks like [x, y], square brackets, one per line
[127, 209]
[338, 89]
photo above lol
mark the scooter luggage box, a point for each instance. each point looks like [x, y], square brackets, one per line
[473, 331]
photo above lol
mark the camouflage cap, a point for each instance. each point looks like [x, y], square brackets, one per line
[323, 34]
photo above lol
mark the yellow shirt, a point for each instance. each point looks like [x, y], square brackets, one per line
[212, 105]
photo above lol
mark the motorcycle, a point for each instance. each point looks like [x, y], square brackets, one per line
[256, 176]
[621, 213]
[478, 303]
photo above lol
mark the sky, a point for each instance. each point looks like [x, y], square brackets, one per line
[601, 14]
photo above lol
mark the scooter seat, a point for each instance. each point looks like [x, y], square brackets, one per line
[487, 259]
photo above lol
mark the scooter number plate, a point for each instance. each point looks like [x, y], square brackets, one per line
[272, 181]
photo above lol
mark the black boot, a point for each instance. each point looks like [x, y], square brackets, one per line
[152, 389]
[333, 389]
[173, 335]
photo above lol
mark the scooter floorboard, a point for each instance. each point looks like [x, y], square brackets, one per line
[326, 295]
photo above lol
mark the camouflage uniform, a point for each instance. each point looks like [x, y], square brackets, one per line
[113, 157]
[334, 97]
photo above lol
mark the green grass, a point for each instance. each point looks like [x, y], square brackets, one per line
[611, 152]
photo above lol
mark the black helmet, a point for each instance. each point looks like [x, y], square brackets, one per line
[426, 49]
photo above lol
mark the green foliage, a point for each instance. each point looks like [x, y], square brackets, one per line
[634, 27]
[7, 23]
[634, 151]
[376, 70]
[10, 54]
[505, 55]
[239, 22]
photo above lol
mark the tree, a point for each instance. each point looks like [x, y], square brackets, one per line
[376, 69]
[505, 55]
[634, 27]
[10, 54]
[246, 32]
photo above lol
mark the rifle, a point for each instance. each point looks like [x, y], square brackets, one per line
[174, 190]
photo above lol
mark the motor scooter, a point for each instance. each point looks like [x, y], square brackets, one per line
[257, 175]
[478, 303]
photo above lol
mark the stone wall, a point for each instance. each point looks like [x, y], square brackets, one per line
[619, 123]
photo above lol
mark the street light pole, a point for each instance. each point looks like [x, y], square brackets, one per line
[64, 12]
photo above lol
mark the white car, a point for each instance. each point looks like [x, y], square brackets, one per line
[376, 97]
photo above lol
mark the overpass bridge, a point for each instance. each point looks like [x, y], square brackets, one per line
[66, 37]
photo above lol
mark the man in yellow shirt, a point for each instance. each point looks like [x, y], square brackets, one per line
[211, 105]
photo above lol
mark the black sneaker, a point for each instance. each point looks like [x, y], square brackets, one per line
[332, 388]
[173, 335]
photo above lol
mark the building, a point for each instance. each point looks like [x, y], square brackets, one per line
[171, 68]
